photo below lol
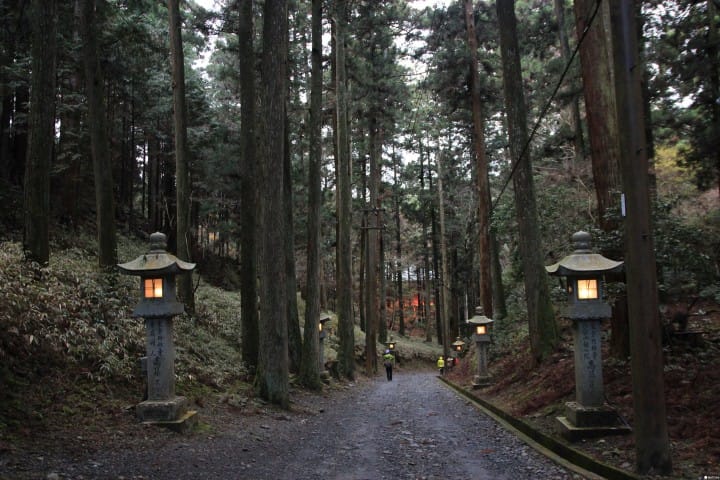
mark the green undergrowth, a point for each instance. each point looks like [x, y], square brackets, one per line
[70, 345]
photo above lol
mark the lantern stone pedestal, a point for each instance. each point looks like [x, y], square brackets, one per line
[158, 305]
[162, 406]
[482, 379]
[589, 415]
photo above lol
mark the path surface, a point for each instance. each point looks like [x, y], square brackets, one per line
[411, 428]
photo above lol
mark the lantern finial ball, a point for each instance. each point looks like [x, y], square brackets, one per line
[581, 242]
[158, 242]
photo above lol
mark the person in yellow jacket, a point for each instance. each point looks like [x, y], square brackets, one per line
[389, 362]
[441, 365]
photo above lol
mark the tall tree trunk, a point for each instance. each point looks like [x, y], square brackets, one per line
[273, 375]
[346, 354]
[70, 118]
[437, 280]
[572, 108]
[248, 189]
[600, 107]
[373, 258]
[309, 368]
[21, 141]
[445, 276]
[293, 319]
[481, 168]
[364, 243]
[133, 163]
[652, 445]
[541, 317]
[41, 127]
[499, 305]
[182, 170]
[712, 55]
[102, 168]
[398, 249]
[426, 255]
[382, 313]
[9, 36]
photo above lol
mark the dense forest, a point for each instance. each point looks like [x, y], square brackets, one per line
[398, 164]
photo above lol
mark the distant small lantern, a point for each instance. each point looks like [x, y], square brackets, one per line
[158, 304]
[458, 345]
[584, 272]
[391, 345]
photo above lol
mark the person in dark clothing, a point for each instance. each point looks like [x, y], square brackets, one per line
[389, 362]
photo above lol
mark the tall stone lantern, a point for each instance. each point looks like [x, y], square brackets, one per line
[158, 305]
[482, 335]
[589, 414]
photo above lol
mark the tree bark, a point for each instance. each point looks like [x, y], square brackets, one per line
[182, 170]
[398, 249]
[541, 317]
[426, 256]
[102, 168]
[652, 445]
[346, 354]
[600, 107]
[572, 108]
[373, 258]
[481, 169]
[41, 128]
[445, 276]
[248, 189]
[712, 55]
[273, 374]
[293, 319]
[309, 368]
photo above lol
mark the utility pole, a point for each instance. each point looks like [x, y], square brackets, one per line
[652, 444]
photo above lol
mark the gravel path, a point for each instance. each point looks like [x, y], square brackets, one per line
[411, 428]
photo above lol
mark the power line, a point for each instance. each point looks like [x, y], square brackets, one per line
[549, 102]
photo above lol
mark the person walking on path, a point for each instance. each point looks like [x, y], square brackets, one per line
[441, 365]
[389, 361]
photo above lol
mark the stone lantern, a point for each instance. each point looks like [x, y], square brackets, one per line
[322, 333]
[583, 270]
[458, 345]
[158, 305]
[482, 335]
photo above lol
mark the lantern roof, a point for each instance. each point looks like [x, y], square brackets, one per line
[582, 260]
[480, 319]
[157, 260]
[324, 317]
[458, 343]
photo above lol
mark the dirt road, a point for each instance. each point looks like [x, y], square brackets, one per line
[411, 428]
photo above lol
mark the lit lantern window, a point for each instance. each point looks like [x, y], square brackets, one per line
[587, 289]
[320, 326]
[481, 329]
[153, 288]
